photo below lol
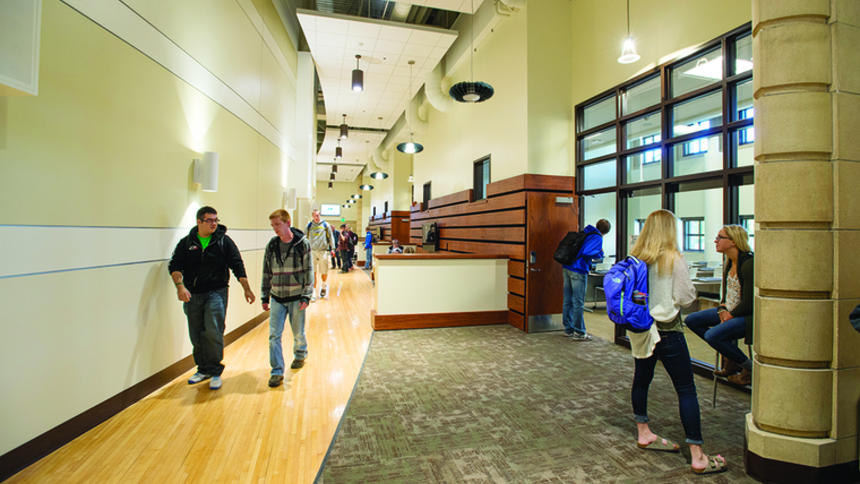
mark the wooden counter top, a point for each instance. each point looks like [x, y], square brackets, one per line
[438, 256]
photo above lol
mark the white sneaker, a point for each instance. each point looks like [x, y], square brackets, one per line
[197, 378]
[215, 383]
[581, 337]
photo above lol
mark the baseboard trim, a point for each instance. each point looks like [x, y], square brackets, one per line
[22, 456]
[769, 470]
[436, 320]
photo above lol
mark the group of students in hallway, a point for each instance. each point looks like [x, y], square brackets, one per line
[200, 267]
[671, 289]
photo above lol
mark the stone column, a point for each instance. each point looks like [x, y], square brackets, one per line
[806, 376]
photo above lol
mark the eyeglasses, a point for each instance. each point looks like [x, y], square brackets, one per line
[721, 237]
[210, 220]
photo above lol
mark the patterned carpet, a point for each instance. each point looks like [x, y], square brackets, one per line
[493, 404]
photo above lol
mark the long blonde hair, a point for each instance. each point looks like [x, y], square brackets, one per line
[658, 242]
[739, 236]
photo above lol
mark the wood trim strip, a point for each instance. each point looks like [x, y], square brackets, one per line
[506, 217]
[25, 454]
[489, 234]
[517, 286]
[516, 303]
[464, 196]
[513, 200]
[527, 181]
[517, 268]
[513, 251]
[436, 320]
[517, 320]
[438, 256]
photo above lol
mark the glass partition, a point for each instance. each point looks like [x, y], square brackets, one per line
[697, 114]
[598, 144]
[594, 208]
[599, 175]
[598, 113]
[698, 155]
[698, 72]
[640, 96]
[640, 204]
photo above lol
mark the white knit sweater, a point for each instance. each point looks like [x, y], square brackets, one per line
[668, 293]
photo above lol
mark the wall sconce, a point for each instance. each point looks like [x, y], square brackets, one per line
[206, 171]
[357, 76]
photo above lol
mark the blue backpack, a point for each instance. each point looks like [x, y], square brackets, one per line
[626, 290]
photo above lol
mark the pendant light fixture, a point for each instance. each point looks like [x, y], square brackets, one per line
[330, 185]
[366, 187]
[628, 48]
[471, 91]
[378, 175]
[411, 146]
[338, 152]
[344, 129]
[331, 176]
[334, 168]
[356, 196]
[357, 76]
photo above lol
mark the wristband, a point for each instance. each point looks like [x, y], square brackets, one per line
[177, 284]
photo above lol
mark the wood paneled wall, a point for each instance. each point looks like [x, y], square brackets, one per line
[393, 224]
[522, 215]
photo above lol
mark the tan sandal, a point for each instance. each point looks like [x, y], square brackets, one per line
[716, 464]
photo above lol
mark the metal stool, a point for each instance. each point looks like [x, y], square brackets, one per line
[716, 365]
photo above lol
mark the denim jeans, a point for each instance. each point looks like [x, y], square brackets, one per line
[673, 353]
[206, 312]
[346, 261]
[574, 300]
[369, 263]
[723, 337]
[277, 316]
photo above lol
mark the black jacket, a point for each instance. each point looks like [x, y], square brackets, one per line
[206, 270]
[746, 278]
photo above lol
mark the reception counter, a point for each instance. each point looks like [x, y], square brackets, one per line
[432, 290]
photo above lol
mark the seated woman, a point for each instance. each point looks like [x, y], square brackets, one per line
[395, 247]
[733, 319]
[670, 290]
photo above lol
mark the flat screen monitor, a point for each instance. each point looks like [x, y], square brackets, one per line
[429, 236]
[330, 210]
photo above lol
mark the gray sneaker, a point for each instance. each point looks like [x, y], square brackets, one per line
[198, 377]
[215, 383]
[581, 337]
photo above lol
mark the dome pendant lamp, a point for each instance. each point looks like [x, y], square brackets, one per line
[471, 91]
[411, 146]
[628, 48]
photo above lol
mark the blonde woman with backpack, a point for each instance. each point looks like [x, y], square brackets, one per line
[670, 289]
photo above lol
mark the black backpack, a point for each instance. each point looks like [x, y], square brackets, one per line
[569, 247]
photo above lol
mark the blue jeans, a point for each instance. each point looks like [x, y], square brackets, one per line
[673, 353]
[723, 337]
[277, 316]
[574, 300]
[369, 263]
[206, 312]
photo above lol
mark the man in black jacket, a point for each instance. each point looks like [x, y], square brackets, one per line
[199, 268]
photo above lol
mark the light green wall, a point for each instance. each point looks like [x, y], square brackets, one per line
[659, 27]
[454, 140]
[550, 69]
[107, 144]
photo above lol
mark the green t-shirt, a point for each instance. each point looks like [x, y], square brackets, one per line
[204, 241]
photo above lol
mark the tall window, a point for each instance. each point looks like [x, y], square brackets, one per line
[426, 194]
[481, 172]
[694, 234]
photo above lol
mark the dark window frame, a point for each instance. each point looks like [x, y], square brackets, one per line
[479, 184]
[426, 195]
[689, 236]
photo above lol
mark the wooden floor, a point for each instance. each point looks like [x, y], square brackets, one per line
[244, 432]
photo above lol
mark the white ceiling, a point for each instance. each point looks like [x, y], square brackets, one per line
[356, 149]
